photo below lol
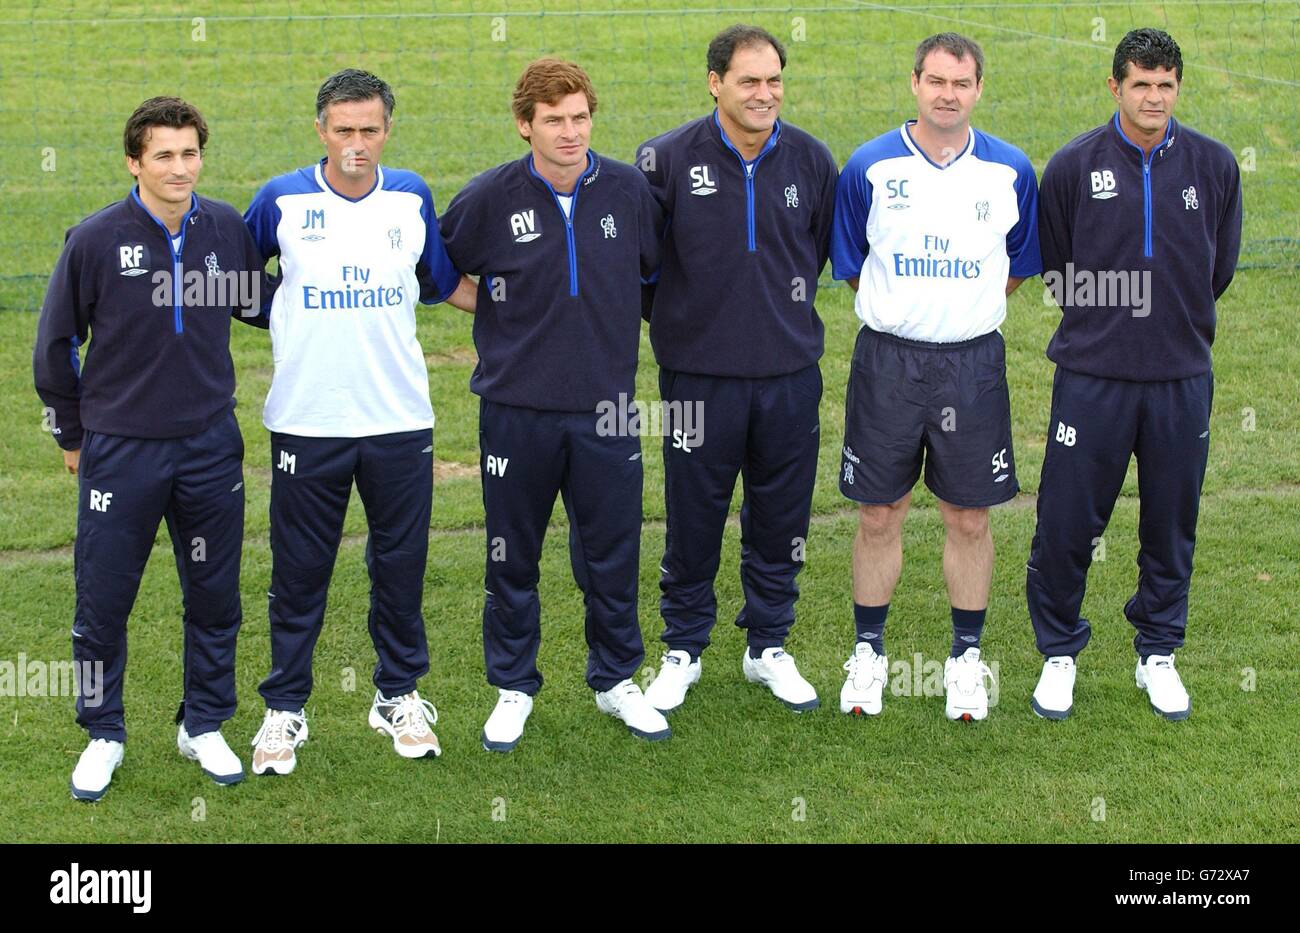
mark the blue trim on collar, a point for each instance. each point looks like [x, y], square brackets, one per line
[332, 190]
[194, 206]
[970, 144]
[771, 140]
[1169, 132]
[591, 164]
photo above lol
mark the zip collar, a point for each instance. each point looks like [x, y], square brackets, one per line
[326, 186]
[586, 178]
[174, 251]
[917, 150]
[149, 215]
[772, 140]
[1128, 145]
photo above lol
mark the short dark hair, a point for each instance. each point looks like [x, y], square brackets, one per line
[956, 45]
[351, 84]
[161, 111]
[1147, 48]
[739, 36]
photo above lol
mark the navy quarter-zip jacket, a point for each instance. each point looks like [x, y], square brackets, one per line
[158, 364]
[557, 324]
[1172, 219]
[743, 250]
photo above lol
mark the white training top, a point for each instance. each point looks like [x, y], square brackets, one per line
[932, 246]
[347, 361]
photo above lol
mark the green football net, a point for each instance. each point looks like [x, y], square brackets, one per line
[73, 72]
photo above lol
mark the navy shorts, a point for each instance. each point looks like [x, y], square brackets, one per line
[942, 404]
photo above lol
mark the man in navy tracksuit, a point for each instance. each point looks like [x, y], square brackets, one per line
[1140, 223]
[149, 427]
[750, 201]
[561, 240]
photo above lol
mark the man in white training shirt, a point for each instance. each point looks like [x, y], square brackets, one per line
[358, 244]
[935, 225]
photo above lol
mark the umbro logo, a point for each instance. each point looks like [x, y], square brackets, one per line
[311, 237]
[132, 259]
[523, 226]
[702, 181]
[1103, 185]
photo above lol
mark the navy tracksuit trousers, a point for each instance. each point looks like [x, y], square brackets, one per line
[767, 431]
[128, 485]
[527, 456]
[1096, 425]
[311, 481]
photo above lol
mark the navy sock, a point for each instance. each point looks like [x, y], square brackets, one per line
[870, 623]
[967, 626]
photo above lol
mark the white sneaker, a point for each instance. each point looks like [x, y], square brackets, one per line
[625, 701]
[213, 755]
[776, 670]
[273, 746]
[406, 720]
[1164, 687]
[504, 727]
[95, 769]
[1054, 696]
[677, 674]
[864, 688]
[963, 682]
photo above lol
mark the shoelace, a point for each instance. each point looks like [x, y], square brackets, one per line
[409, 715]
[968, 671]
[857, 665]
[275, 730]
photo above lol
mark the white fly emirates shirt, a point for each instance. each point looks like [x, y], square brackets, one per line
[932, 246]
[347, 362]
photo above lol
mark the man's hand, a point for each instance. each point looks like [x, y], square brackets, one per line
[72, 460]
[465, 297]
